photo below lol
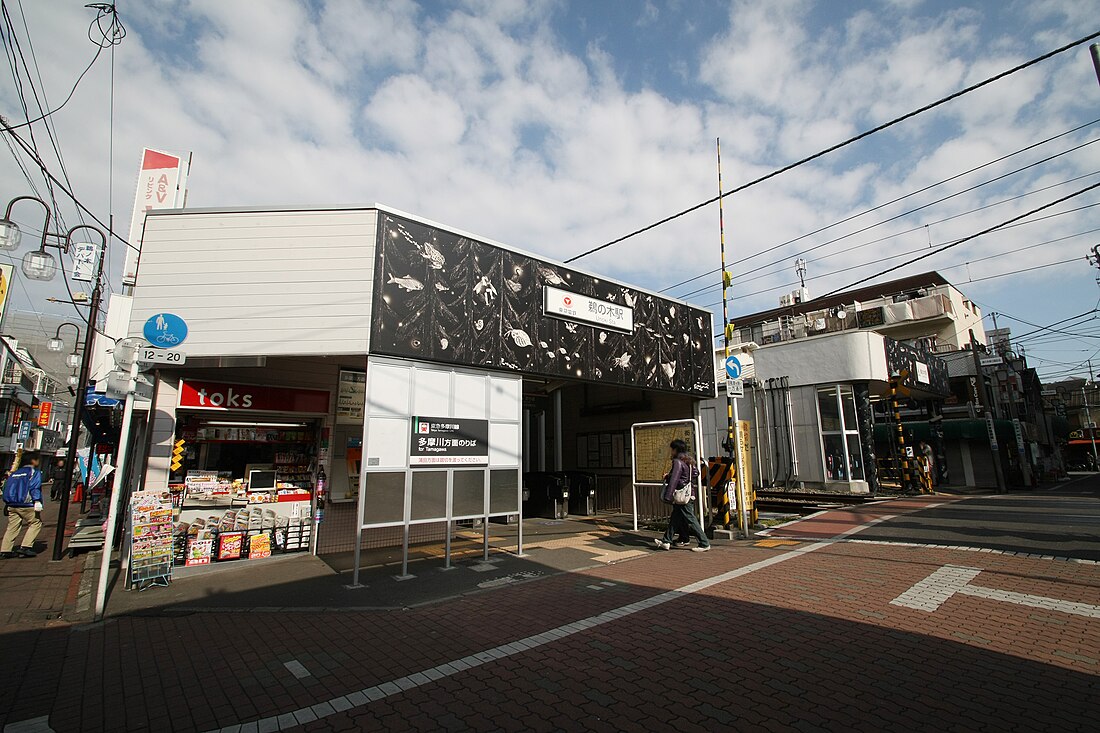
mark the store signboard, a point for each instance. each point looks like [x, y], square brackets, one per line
[161, 184]
[6, 271]
[351, 397]
[577, 307]
[85, 259]
[44, 412]
[219, 396]
[449, 441]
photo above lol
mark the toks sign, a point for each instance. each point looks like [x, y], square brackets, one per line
[204, 395]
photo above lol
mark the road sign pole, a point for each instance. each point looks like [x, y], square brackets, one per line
[119, 489]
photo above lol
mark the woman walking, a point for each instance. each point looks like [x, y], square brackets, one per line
[683, 515]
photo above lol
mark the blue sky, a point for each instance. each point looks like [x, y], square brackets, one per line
[557, 126]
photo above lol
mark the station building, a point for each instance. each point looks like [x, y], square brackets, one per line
[424, 370]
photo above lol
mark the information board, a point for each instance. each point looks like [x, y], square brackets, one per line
[650, 445]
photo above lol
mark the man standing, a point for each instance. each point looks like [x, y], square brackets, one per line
[23, 496]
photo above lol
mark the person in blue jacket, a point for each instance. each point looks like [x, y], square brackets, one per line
[23, 497]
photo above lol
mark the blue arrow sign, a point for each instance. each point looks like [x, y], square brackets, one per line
[733, 367]
[165, 330]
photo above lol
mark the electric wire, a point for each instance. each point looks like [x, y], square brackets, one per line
[895, 235]
[889, 203]
[838, 146]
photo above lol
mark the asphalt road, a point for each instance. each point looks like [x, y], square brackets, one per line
[1063, 521]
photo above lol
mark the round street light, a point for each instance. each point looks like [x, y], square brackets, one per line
[39, 265]
[57, 344]
[73, 360]
[10, 235]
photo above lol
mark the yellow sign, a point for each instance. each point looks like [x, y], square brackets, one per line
[5, 285]
[177, 455]
[651, 454]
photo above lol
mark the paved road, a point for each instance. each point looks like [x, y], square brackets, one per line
[772, 635]
[1064, 521]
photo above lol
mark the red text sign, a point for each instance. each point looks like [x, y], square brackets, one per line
[219, 396]
[44, 411]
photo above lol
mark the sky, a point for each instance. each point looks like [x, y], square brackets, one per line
[556, 127]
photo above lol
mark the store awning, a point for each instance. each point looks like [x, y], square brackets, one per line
[961, 429]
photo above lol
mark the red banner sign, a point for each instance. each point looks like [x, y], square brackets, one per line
[251, 398]
[44, 411]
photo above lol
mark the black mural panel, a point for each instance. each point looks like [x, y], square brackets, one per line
[445, 298]
[904, 357]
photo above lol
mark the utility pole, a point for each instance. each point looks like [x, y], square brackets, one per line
[1088, 414]
[983, 400]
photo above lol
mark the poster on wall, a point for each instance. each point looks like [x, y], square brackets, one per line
[449, 441]
[351, 397]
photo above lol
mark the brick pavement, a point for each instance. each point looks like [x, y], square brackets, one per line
[810, 641]
[34, 592]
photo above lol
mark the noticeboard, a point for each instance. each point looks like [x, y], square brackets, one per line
[650, 447]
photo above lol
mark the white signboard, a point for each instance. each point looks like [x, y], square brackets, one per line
[85, 260]
[150, 355]
[992, 431]
[351, 397]
[735, 387]
[922, 373]
[575, 307]
[989, 360]
[161, 184]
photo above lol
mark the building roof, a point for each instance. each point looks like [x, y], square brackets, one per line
[870, 292]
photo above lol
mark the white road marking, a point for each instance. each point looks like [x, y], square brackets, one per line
[34, 725]
[935, 590]
[284, 721]
[297, 669]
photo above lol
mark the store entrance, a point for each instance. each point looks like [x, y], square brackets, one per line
[244, 485]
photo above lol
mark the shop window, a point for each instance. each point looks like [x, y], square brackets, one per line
[469, 493]
[385, 498]
[842, 454]
[503, 491]
[429, 495]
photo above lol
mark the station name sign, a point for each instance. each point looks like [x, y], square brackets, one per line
[576, 307]
[449, 441]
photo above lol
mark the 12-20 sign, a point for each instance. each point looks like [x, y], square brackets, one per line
[160, 356]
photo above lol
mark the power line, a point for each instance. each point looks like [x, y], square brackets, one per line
[838, 146]
[956, 243]
[898, 234]
[894, 201]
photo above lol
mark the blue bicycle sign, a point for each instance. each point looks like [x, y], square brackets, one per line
[165, 330]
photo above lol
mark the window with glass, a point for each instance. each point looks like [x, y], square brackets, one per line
[843, 456]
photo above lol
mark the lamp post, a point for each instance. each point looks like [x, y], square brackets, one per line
[1088, 417]
[41, 265]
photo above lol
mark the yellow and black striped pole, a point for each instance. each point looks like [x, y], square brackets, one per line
[896, 407]
[727, 332]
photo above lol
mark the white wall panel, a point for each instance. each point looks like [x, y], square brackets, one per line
[504, 444]
[387, 443]
[470, 396]
[388, 389]
[505, 396]
[433, 393]
[261, 283]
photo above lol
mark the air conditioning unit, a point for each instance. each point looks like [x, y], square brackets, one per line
[785, 301]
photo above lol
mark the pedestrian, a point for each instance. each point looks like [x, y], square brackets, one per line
[682, 473]
[23, 498]
[55, 480]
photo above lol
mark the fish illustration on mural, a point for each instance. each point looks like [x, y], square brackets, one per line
[433, 256]
[669, 368]
[550, 276]
[408, 282]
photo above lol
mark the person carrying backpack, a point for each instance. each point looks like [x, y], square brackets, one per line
[682, 475]
[23, 497]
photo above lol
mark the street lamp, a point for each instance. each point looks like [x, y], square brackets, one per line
[1092, 430]
[56, 343]
[41, 265]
